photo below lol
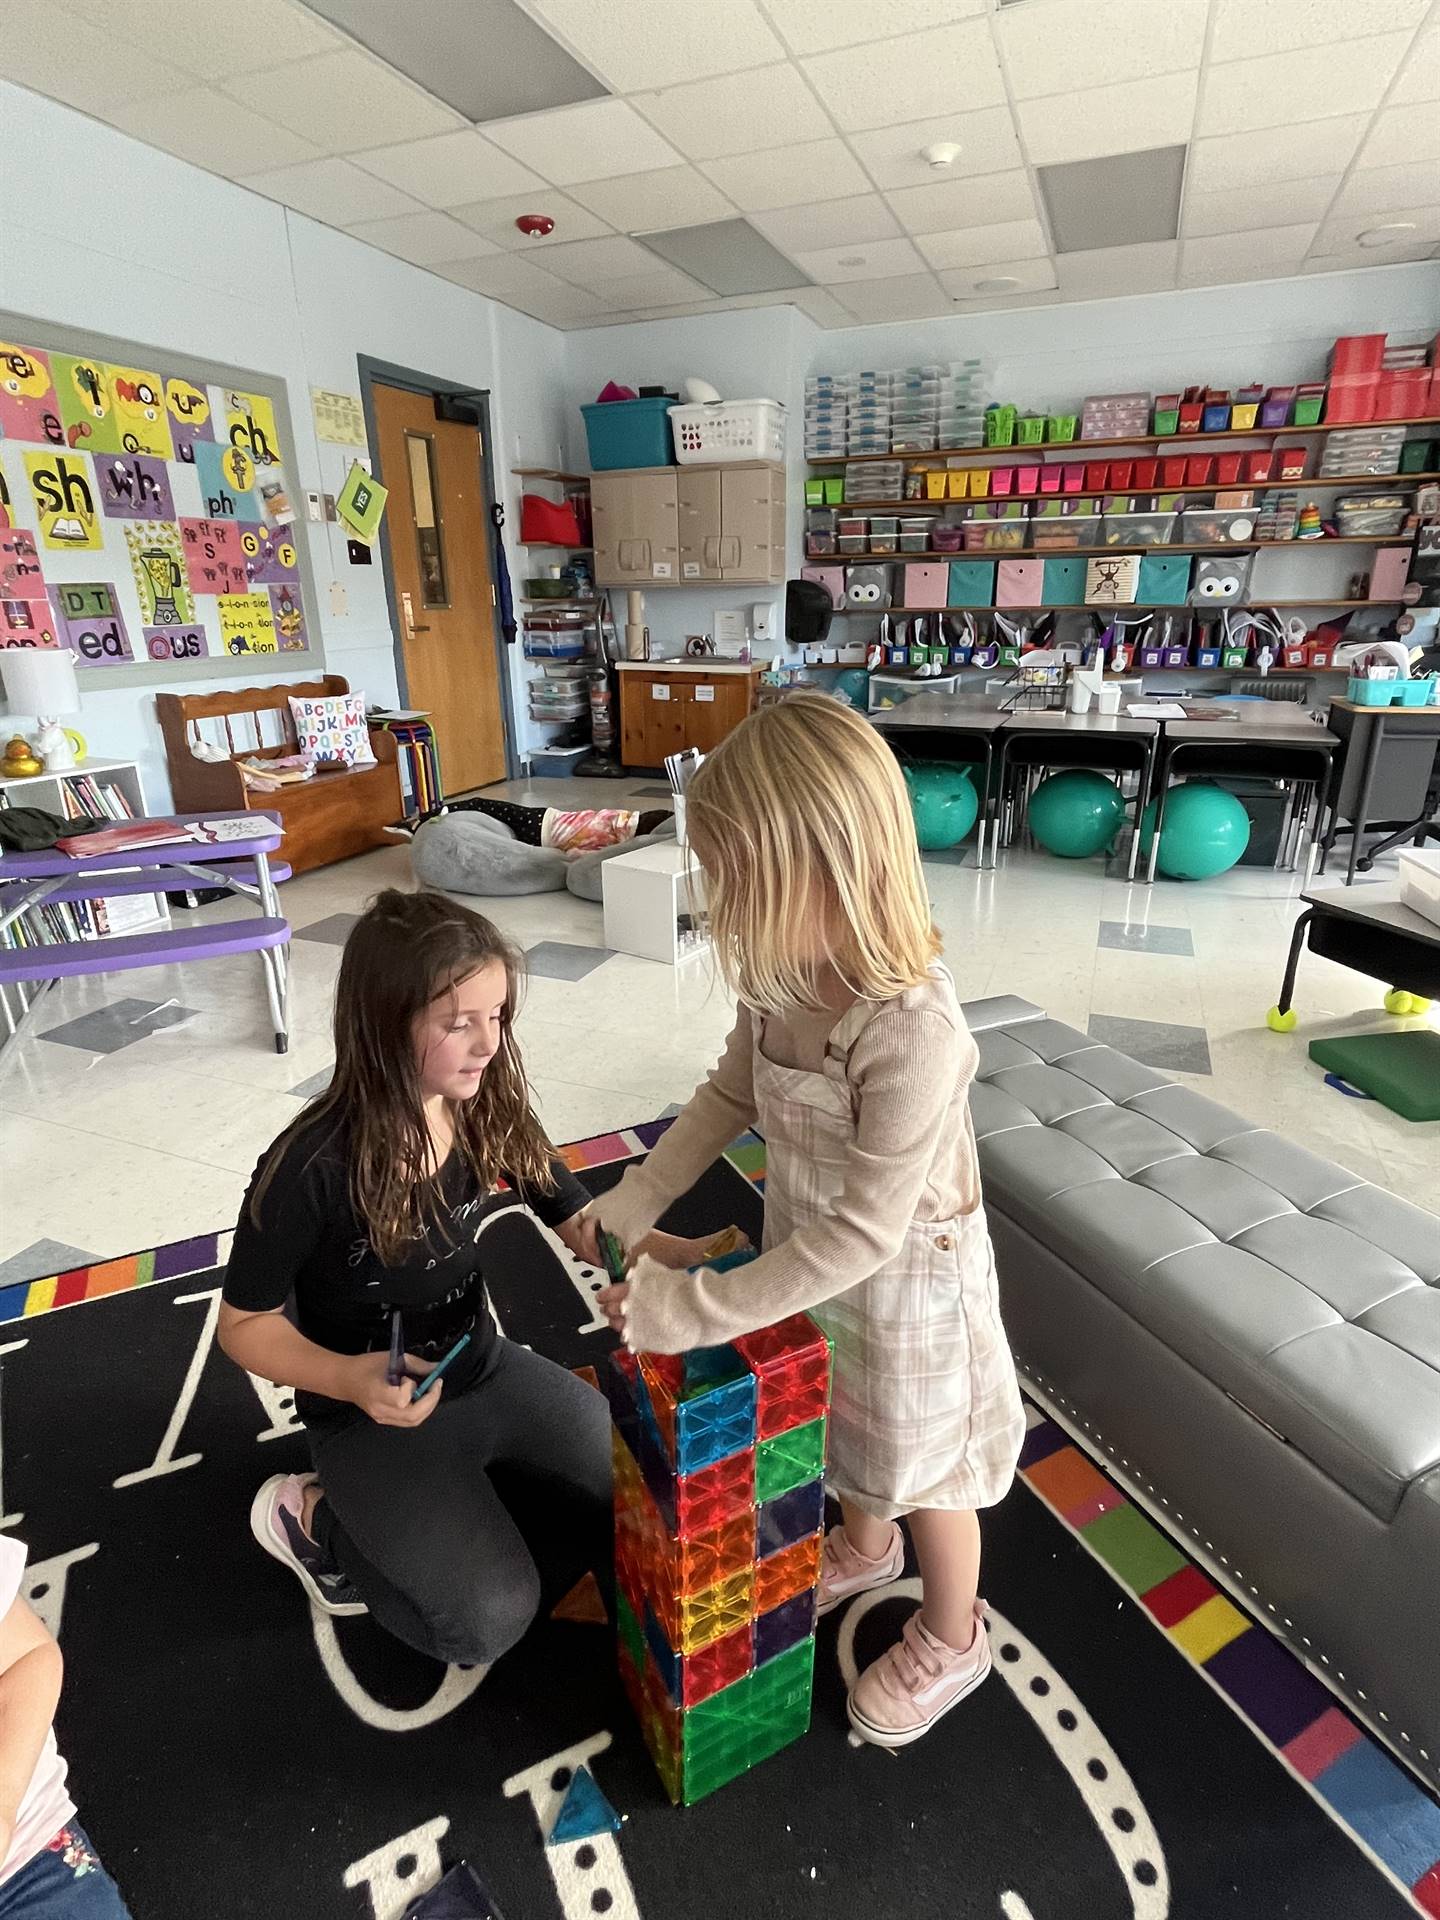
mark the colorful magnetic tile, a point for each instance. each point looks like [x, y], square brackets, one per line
[719, 1665]
[627, 1626]
[791, 1362]
[779, 1629]
[704, 1616]
[789, 1459]
[717, 1423]
[701, 1560]
[792, 1516]
[787, 1573]
[715, 1494]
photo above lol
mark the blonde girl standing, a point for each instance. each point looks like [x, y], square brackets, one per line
[851, 1056]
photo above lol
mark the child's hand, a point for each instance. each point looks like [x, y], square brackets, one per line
[581, 1234]
[368, 1389]
[671, 1251]
[611, 1302]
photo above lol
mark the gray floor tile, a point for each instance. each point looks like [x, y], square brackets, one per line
[317, 1083]
[558, 960]
[121, 1024]
[651, 793]
[39, 1260]
[1115, 933]
[1157, 1043]
[334, 930]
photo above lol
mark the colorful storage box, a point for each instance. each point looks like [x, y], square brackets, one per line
[1112, 580]
[1164, 579]
[1019, 583]
[1060, 428]
[926, 585]
[832, 579]
[1063, 583]
[972, 583]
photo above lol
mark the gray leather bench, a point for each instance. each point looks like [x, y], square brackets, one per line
[1251, 1329]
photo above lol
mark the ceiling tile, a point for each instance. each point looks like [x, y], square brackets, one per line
[895, 155]
[1242, 31]
[1420, 76]
[1269, 203]
[211, 130]
[562, 306]
[726, 256]
[495, 220]
[814, 26]
[1120, 200]
[653, 43]
[974, 246]
[1358, 261]
[1341, 233]
[964, 203]
[876, 260]
[1007, 302]
[1291, 89]
[1403, 134]
[1125, 118]
[503, 277]
[1266, 254]
[213, 38]
[668, 197]
[599, 140]
[1056, 47]
[788, 176]
[332, 191]
[38, 48]
[972, 280]
[343, 102]
[423, 238]
[914, 296]
[687, 310]
[488, 61]
[1148, 268]
[822, 307]
[450, 170]
[590, 263]
[736, 113]
[921, 74]
[833, 223]
[661, 286]
[1274, 153]
[1377, 189]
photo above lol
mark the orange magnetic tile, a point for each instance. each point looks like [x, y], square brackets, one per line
[704, 1559]
[785, 1574]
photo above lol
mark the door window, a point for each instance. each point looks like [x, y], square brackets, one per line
[429, 540]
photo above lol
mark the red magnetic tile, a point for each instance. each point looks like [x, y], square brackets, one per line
[717, 1665]
[1081, 1516]
[1175, 1598]
[716, 1493]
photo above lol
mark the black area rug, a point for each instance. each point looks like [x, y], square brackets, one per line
[235, 1757]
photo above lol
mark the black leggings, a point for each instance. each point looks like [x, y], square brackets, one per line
[455, 1532]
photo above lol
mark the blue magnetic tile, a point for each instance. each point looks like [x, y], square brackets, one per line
[792, 1516]
[784, 1626]
[723, 1423]
[1393, 1815]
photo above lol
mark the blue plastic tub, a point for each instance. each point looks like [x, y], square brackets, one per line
[630, 433]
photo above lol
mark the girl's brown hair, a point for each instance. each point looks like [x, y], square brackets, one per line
[405, 951]
[801, 822]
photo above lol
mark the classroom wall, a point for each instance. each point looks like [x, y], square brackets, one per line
[103, 234]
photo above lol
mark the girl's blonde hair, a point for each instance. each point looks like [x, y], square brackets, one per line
[801, 822]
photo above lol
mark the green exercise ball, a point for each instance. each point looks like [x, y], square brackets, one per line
[1206, 830]
[1076, 813]
[853, 687]
[943, 802]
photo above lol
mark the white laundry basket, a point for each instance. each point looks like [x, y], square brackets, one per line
[720, 430]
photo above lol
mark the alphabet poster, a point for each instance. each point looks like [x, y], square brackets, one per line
[146, 516]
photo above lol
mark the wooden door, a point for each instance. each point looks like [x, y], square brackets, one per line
[698, 500]
[653, 712]
[440, 553]
[747, 513]
[718, 702]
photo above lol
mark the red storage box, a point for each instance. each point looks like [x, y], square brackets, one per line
[1227, 469]
[1352, 397]
[1198, 468]
[1027, 479]
[1296, 656]
[1172, 471]
[1001, 479]
[1097, 471]
[1147, 475]
[1191, 414]
[1290, 462]
[1074, 481]
[1120, 475]
[1319, 654]
[1257, 466]
[1403, 394]
[1357, 353]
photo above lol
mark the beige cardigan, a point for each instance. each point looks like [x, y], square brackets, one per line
[913, 1158]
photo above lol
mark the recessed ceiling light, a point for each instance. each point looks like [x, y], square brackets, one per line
[1388, 234]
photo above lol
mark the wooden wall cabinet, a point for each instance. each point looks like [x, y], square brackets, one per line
[665, 710]
[686, 526]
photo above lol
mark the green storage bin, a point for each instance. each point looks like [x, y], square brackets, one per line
[1164, 579]
[1308, 408]
[1167, 421]
[972, 583]
[814, 493]
[1031, 431]
[835, 492]
[1061, 427]
[1064, 581]
[1417, 456]
[1000, 426]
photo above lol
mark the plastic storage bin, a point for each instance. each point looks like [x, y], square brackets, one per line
[1361, 515]
[1420, 882]
[992, 533]
[1215, 526]
[630, 433]
[1137, 529]
[1065, 530]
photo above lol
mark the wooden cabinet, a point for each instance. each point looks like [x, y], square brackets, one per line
[666, 710]
[686, 526]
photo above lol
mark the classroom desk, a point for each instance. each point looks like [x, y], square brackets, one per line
[1111, 740]
[1365, 730]
[933, 723]
[1370, 929]
[1263, 737]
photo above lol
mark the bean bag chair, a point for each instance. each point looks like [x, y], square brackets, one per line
[583, 870]
[471, 853]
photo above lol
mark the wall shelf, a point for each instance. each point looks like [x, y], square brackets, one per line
[1079, 449]
[1390, 482]
[1112, 606]
[888, 559]
[551, 473]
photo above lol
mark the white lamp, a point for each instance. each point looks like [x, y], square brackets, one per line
[41, 680]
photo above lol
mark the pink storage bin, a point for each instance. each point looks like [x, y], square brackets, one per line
[1001, 479]
[927, 585]
[831, 578]
[1074, 473]
[1389, 572]
[1027, 479]
[1050, 478]
[1019, 583]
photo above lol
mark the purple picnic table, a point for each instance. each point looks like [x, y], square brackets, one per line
[242, 866]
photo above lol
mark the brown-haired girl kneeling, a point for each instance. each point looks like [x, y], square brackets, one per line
[368, 1205]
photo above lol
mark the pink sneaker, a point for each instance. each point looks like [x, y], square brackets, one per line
[908, 1689]
[844, 1572]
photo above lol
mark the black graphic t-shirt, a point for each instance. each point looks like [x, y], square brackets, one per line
[312, 1245]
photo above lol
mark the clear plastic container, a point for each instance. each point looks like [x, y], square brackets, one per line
[914, 442]
[1062, 532]
[915, 543]
[1215, 526]
[853, 542]
[1367, 515]
[1137, 529]
[884, 526]
[989, 533]
[869, 482]
[819, 544]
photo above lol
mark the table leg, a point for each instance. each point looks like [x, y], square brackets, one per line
[1142, 799]
[1297, 941]
[276, 959]
[1376, 718]
[1166, 762]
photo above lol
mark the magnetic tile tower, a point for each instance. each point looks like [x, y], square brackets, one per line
[719, 1509]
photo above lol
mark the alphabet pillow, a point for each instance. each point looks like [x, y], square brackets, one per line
[333, 728]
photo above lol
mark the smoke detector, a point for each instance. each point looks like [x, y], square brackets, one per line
[535, 226]
[943, 154]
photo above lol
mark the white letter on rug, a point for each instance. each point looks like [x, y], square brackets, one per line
[576, 1884]
[279, 1405]
[390, 1890]
[7, 1519]
[164, 1461]
[44, 1584]
[456, 1687]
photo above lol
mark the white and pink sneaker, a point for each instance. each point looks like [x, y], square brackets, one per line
[909, 1688]
[844, 1572]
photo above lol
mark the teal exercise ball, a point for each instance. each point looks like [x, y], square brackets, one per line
[943, 802]
[853, 687]
[1076, 813]
[1206, 830]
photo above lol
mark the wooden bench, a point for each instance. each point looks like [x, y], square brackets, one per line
[330, 817]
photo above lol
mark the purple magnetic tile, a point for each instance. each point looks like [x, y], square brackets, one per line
[185, 1256]
[1268, 1684]
[1041, 1441]
[784, 1626]
[790, 1517]
[1389, 1810]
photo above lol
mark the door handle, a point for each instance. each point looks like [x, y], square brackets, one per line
[623, 554]
[407, 610]
[645, 563]
[727, 541]
[710, 549]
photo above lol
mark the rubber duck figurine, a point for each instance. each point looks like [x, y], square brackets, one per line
[20, 762]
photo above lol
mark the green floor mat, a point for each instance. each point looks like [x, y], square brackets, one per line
[1401, 1070]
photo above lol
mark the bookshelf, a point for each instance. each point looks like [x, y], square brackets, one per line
[97, 790]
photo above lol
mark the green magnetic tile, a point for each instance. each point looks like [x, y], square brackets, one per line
[779, 1733]
[726, 1707]
[1132, 1548]
[631, 1633]
[789, 1460]
[707, 1778]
